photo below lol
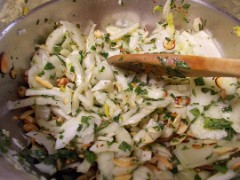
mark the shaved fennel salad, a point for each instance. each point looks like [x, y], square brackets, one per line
[98, 121]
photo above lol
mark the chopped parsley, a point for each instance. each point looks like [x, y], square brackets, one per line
[49, 66]
[227, 109]
[72, 69]
[195, 112]
[124, 146]
[85, 120]
[220, 168]
[199, 81]
[206, 90]
[41, 74]
[186, 6]
[102, 69]
[104, 54]
[90, 156]
[215, 124]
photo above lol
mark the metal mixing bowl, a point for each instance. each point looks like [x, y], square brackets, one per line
[18, 40]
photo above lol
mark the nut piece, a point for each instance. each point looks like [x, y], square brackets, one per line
[123, 162]
[123, 177]
[165, 161]
[26, 113]
[25, 76]
[44, 83]
[4, 63]
[169, 44]
[29, 127]
[224, 150]
[22, 91]
[29, 120]
[13, 73]
[197, 146]
[62, 82]
[235, 166]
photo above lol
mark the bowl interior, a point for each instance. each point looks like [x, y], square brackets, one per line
[19, 38]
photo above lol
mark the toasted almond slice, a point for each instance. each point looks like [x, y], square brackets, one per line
[26, 113]
[223, 93]
[197, 146]
[44, 83]
[235, 166]
[123, 177]
[22, 91]
[209, 142]
[4, 63]
[177, 121]
[62, 82]
[151, 166]
[123, 162]
[168, 44]
[59, 164]
[13, 73]
[29, 127]
[165, 161]
[29, 119]
[182, 128]
[177, 140]
[224, 150]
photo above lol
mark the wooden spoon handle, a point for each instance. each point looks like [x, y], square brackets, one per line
[178, 65]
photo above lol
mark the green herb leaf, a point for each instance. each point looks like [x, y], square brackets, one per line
[186, 6]
[227, 109]
[72, 69]
[125, 146]
[140, 90]
[90, 156]
[214, 124]
[220, 168]
[199, 81]
[104, 54]
[41, 74]
[102, 69]
[49, 66]
[195, 112]
[85, 120]
[206, 90]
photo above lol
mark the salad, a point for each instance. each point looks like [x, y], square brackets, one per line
[90, 120]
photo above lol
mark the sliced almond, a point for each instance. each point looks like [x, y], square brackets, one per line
[168, 44]
[29, 119]
[224, 150]
[44, 83]
[165, 161]
[29, 127]
[177, 140]
[209, 142]
[235, 166]
[123, 162]
[197, 146]
[26, 113]
[62, 82]
[59, 164]
[177, 121]
[25, 77]
[13, 73]
[98, 34]
[4, 63]
[22, 91]
[151, 167]
[182, 128]
[223, 93]
[123, 177]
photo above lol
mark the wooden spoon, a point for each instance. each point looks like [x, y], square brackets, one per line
[178, 65]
